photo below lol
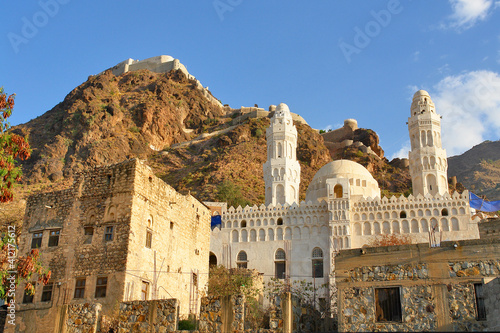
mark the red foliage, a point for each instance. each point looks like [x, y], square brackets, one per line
[390, 239]
[12, 146]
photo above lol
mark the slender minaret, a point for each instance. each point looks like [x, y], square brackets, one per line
[428, 165]
[281, 170]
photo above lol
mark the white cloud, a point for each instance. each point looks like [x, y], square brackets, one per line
[470, 106]
[466, 13]
[403, 152]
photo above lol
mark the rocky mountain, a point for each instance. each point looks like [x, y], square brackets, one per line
[189, 141]
[478, 169]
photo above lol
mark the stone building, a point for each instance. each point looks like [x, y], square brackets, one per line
[343, 207]
[118, 234]
[454, 287]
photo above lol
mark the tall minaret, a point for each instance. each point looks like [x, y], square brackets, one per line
[428, 165]
[281, 170]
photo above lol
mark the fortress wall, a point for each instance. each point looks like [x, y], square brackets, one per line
[340, 134]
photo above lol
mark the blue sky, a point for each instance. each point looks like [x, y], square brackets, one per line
[328, 60]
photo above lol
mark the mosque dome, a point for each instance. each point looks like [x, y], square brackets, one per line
[421, 93]
[361, 182]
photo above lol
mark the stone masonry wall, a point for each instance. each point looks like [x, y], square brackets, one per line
[158, 316]
[461, 300]
[82, 317]
[180, 241]
[210, 315]
[436, 286]
[121, 197]
[492, 304]
[417, 308]
[389, 272]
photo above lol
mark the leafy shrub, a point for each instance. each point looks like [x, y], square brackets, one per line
[187, 324]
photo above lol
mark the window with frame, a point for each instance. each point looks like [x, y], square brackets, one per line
[388, 304]
[317, 263]
[88, 233]
[280, 264]
[36, 241]
[144, 290]
[54, 238]
[47, 292]
[80, 288]
[242, 259]
[480, 306]
[100, 286]
[28, 296]
[108, 233]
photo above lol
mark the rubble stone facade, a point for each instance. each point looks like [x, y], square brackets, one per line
[453, 287]
[118, 234]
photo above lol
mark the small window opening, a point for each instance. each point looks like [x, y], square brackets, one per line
[149, 238]
[388, 304]
[80, 288]
[88, 233]
[480, 306]
[280, 221]
[108, 235]
[36, 241]
[444, 212]
[144, 290]
[402, 214]
[47, 292]
[54, 238]
[28, 296]
[101, 286]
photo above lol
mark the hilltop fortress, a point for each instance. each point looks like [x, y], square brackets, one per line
[161, 64]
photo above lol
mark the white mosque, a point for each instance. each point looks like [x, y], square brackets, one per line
[343, 209]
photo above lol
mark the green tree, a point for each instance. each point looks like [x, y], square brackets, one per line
[12, 146]
[231, 193]
[223, 281]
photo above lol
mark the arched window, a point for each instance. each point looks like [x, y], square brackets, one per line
[212, 260]
[280, 264]
[280, 221]
[317, 263]
[444, 212]
[338, 191]
[241, 259]
[243, 224]
[402, 214]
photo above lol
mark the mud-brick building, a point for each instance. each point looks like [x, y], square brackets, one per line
[118, 234]
[454, 287]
